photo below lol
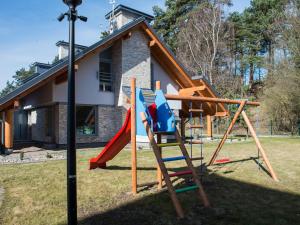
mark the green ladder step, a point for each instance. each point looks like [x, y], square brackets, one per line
[190, 188]
[168, 144]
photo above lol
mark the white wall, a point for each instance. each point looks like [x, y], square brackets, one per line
[123, 17]
[168, 86]
[63, 51]
[87, 85]
[41, 96]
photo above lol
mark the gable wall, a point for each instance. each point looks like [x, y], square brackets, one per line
[168, 86]
[87, 85]
[136, 62]
[41, 96]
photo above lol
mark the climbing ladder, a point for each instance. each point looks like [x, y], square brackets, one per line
[192, 127]
[161, 162]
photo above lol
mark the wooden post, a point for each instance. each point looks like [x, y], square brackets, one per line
[1, 130]
[133, 137]
[260, 148]
[228, 131]
[209, 127]
[8, 129]
[182, 128]
[157, 85]
[159, 174]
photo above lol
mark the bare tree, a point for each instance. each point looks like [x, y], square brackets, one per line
[200, 37]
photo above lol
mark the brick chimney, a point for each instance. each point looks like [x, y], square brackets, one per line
[63, 49]
[122, 15]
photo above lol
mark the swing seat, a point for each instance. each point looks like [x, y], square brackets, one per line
[224, 160]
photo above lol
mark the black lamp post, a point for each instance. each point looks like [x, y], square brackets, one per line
[71, 130]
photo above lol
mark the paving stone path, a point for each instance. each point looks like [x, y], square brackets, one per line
[32, 155]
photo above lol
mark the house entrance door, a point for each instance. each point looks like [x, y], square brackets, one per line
[21, 125]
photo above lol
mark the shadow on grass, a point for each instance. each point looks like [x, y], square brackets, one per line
[234, 203]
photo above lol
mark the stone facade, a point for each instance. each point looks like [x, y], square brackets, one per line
[108, 122]
[131, 57]
[136, 60]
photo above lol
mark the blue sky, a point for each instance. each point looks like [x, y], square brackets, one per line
[29, 29]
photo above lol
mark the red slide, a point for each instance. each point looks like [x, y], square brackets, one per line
[114, 146]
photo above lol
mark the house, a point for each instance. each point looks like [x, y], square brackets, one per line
[37, 110]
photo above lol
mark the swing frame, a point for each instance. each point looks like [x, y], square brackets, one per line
[240, 111]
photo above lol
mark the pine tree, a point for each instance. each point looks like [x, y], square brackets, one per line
[166, 22]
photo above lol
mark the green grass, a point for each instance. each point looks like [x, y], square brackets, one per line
[240, 193]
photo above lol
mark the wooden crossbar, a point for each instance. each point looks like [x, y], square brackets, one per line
[208, 99]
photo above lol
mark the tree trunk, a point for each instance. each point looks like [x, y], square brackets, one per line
[242, 76]
[251, 75]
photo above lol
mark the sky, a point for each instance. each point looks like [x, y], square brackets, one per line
[29, 29]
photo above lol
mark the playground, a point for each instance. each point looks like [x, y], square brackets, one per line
[161, 163]
[207, 183]
[239, 192]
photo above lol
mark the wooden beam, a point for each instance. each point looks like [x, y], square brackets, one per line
[76, 67]
[8, 129]
[127, 35]
[259, 146]
[221, 114]
[2, 116]
[228, 131]
[133, 137]
[208, 126]
[191, 91]
[208, 99]
[152, 43]
[159, 173]
[17, 104]
[185, 78]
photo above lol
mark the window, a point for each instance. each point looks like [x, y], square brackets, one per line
[86, 120]
[105, 71]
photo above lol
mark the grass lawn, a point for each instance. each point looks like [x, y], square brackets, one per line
[240, 193]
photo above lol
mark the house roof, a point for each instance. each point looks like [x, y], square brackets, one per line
[128, 9]
[66, 44]
[42, 65]
[63, 63]
[159, 51]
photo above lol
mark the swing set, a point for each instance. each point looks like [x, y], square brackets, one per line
[158, 120]
[240, 111]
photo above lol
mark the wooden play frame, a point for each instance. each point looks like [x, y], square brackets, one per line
[242, 104]
[182, 97]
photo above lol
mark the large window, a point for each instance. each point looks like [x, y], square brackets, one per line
[86, 120]
[105, 71]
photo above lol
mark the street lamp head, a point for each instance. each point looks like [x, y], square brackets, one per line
[72, 3]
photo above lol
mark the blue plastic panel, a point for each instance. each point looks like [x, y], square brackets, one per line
[141, 107]
[165, 116]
